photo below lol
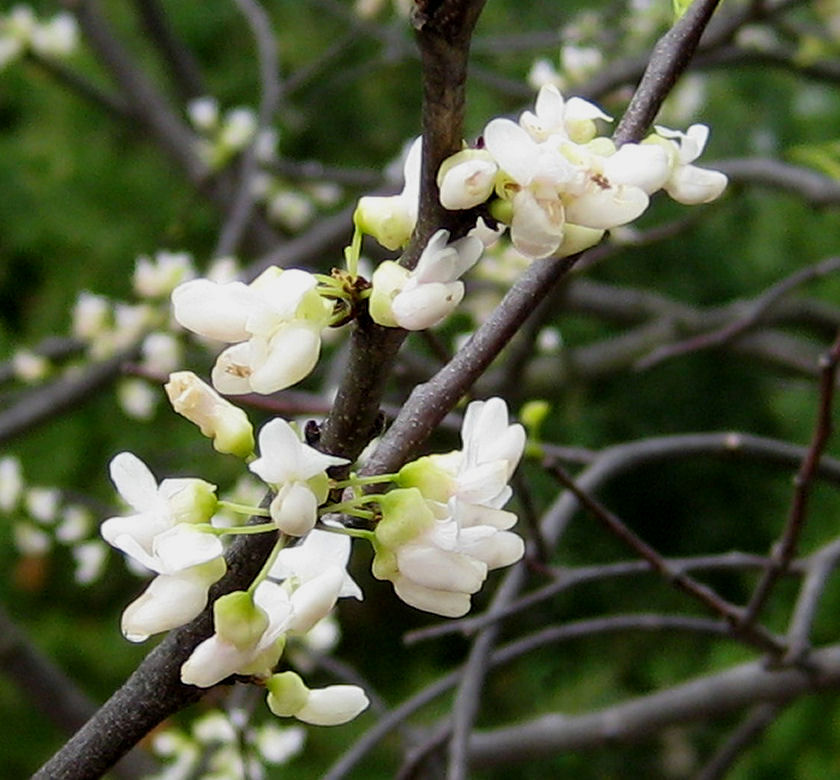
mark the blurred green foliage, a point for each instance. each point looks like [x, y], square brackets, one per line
[82, 196]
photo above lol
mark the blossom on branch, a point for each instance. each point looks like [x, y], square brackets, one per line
[424, 297]
[297, 472]
[274, 323]
[161, 537]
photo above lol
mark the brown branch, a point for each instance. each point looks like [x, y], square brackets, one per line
[784, 551]
[754, 635]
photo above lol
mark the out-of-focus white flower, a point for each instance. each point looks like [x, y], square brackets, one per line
[137, 398]
[160, 536]
[56, 38]
[159, 277]
[203, 112]
[391, 219]
[297, 472]
[11, 483]
[29, 367]
[214, 727]
[291, 209]
[161, 352]
[223, 270]
[288, 696]
[580, 62]
[276, 322]
[238, 128]
[42, 504]
[689, 184]
[90, 316]
[90, 561]
[31, 540]
[76, 522]
[277, 745]
[217, 418]
[543, 72]
[424, 297]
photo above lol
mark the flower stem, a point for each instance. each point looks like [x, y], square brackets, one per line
[355, 480]
[244, 509]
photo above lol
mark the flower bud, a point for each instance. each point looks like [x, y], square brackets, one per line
[386, 219]
[405, 515]
[190, 500]
[239, 620]
[287, 693]
[226, 424]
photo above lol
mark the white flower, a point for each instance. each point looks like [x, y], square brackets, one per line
[90, 316]
[43, 503]
[297, 472]
[11, 483]
[29, 367]
[424, 297]
[161, 352]
[159, 277]
[137, 399]
[391, 219]
[217, 418]
[160, 536]
[689, 184]
[572, 119]
[90, 561]
[278, 745]
[238, 129]
[319, 552]
[249, 636]
[467, 179]
[330, 706]
[203, 112]
[31, 540]
[543, 72]
[276, 322]
[56, 38]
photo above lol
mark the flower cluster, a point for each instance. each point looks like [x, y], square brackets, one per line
[559, 186]
[443, 529]
[274, 323]
[20, 31]
[42, 518]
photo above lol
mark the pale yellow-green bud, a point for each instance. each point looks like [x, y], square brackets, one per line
[405, 515]
[533, 413]
[216, 417]
[429, 477]
[238, 620]
[385, 218]
[287, 694]
[389, 278]
[191, 500]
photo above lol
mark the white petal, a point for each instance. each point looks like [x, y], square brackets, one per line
[537, 227]
[471, 515]
[426, 305]
[440, 569]
[313, 600]
[168, 602]
[333, 705]
[692, 185]
[579, 109]
[212, 661]
[232, 372]
[184, 546]
[438, 602]
[642, 165]
[217, 311]
[293, 353]
[502, 548]
[135, 483]
[604, 208]
[513, 149]
[468, 184]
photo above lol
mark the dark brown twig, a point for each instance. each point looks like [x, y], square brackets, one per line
[784, 551]
[754, 635]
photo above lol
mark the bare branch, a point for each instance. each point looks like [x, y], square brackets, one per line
[699, 699]
[785, 549]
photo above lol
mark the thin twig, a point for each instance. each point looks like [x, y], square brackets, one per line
[784, 551]
[753, 726]
[242, 202]
[754, 635]
[757, 310]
